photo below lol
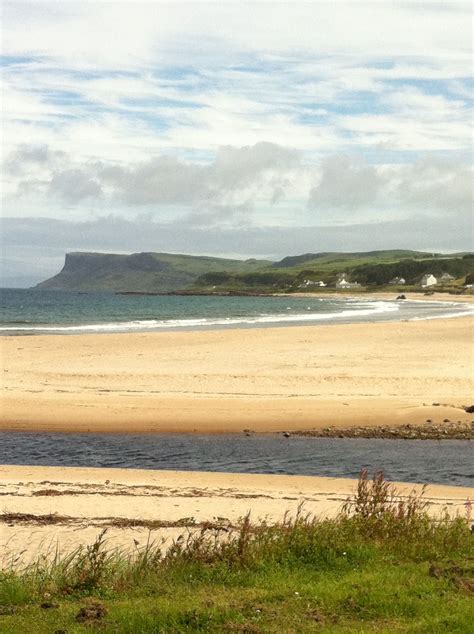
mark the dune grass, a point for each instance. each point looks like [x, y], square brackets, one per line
[383, 565]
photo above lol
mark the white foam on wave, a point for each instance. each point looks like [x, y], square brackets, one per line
[465, 313]
[372, 308]
[358, 308]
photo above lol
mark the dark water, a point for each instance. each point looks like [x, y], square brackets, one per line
[25, 311]
[445, 462]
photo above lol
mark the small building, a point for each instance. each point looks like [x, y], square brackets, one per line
[398, 280]
[312, 283]
[445, 278]
[428, 280]
[342, 283]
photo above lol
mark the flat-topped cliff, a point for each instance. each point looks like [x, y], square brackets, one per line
[139, 272]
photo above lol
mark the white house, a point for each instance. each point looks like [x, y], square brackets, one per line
[428, 280]
[342, 283]
[398, 280]
[308, 283]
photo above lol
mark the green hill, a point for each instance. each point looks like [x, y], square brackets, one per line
[331, 259]
[166, 272]
[373, 270]
[140, 272]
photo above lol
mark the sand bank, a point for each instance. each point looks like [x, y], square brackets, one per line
[51, 507]
[265, 380]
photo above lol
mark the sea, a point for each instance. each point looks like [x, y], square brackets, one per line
[34, 312]
[29, 312]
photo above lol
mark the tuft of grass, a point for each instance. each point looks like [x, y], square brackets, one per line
[402, 524]
[14, 589]
[382, 565]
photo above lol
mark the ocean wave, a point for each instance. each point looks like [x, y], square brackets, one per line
[358, 308]
[465, 313]
[369, 309]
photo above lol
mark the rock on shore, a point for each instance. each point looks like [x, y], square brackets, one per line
[426, 431]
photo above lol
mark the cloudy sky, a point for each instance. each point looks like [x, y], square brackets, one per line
[233, 128]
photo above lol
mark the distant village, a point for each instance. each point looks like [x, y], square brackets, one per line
[427, 281]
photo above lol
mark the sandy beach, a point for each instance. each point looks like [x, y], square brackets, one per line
[265, 380]
[48, 507]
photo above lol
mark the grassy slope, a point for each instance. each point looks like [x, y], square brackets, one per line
[161, 272]
[382, 566]
[334, 261]
[373, 269]
[146, 272]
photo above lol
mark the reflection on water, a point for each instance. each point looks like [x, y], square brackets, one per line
[447, 461]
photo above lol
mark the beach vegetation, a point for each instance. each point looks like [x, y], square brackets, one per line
[382, 565]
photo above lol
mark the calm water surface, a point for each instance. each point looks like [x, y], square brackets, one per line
[445, 462]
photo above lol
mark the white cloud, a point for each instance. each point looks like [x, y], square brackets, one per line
[247, 182]
[440, 185]
[73, 185]
[128, 34]
[408, 132]
[237, 167]
[429, 187]
[345, 184]
[27, 157]
[231, 180]
[408, 100]
[220, 113]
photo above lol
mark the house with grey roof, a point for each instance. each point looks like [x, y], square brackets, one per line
[445, 278]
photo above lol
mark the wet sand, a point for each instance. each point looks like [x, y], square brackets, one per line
[465, 298]
[266, 380]
[45, 508]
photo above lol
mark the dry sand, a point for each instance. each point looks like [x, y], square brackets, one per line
[225, 381]
[87, 500]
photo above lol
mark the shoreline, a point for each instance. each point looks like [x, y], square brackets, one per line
[448, 430]
[467, 298]
[263, 380]
[118, 328]
[50, 508]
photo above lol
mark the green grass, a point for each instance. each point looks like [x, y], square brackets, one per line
[383, 565]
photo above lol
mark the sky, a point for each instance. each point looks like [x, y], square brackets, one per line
[240, 129]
